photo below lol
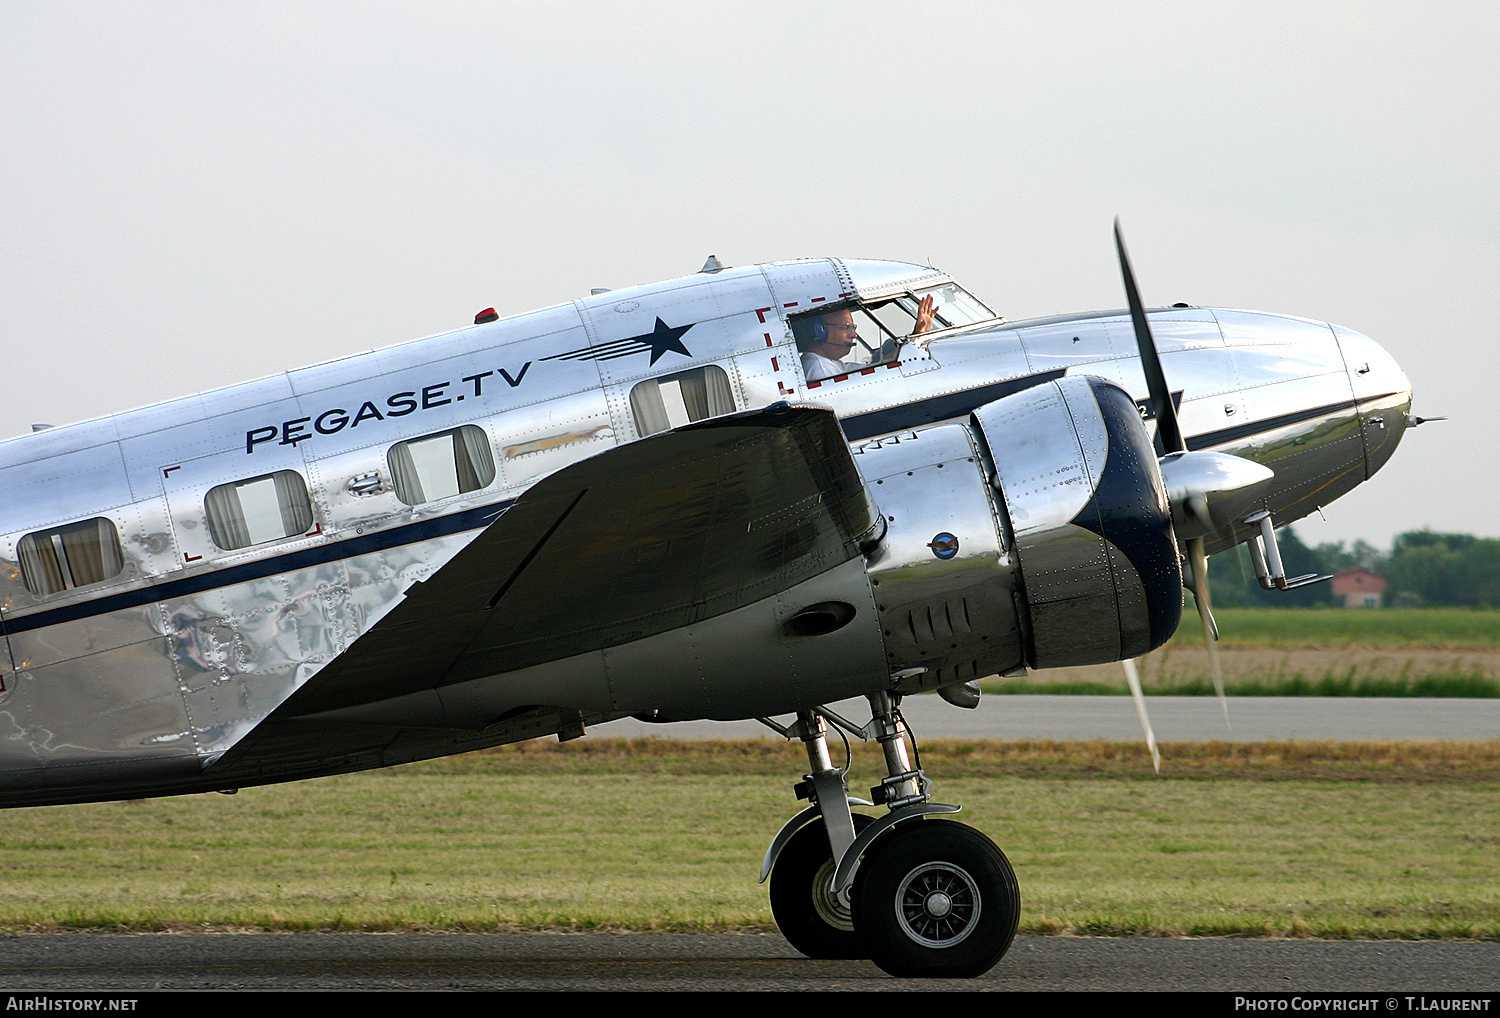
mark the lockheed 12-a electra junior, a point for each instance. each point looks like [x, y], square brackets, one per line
[745, 493]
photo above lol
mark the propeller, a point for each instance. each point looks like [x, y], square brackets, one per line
[1198, 560]
[1133, 677]
[1201, 488]
[1156, 381]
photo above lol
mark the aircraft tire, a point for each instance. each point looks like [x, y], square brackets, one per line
[935, 898]
[806, 913]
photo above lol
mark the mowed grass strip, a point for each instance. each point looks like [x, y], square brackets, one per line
[1404, 761]
[1369, 677]
[1295, 839]
[1293, 668]
[1406, 652]
[1438, 628]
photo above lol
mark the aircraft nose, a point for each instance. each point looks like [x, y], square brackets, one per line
[1382, 393]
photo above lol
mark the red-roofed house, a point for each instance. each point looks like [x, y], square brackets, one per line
[1358, 587]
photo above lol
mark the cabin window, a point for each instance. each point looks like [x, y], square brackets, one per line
[72, 556]
[438, 466]
[660, 404]
[265, 508]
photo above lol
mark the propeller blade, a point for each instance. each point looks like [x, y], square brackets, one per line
[1156, 381]
[1134, 679]
[1198, 557]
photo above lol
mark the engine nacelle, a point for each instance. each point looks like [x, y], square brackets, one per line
[1038, 534]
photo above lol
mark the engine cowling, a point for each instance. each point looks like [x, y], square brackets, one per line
[1035, 534]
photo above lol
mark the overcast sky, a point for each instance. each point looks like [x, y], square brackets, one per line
[196, 194]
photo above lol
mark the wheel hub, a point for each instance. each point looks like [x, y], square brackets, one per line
[938, 904]
[832, 909]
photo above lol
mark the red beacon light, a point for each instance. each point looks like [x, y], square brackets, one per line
[486, 316]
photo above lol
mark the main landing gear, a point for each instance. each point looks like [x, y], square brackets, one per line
[915, 895]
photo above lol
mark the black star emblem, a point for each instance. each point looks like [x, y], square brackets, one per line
[664, 338]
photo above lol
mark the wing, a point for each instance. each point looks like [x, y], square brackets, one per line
[625, 583]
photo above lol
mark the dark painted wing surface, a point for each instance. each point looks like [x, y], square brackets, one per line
[649, 537]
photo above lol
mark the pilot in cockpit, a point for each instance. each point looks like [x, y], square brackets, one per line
[828, 339]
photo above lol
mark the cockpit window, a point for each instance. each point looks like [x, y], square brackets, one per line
[846, 338]
[956, 306]
[897, 316]
[838, 340]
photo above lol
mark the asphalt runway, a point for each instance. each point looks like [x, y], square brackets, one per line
[1173, 718]
[664, 961]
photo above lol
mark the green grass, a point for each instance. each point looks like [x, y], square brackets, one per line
[1295, 839]
[1448, 628]
[1241, 859]
[1413, 652]
[1341, 682]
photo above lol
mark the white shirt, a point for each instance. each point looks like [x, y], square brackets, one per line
[817, 367]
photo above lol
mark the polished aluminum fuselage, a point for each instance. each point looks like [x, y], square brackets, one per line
[154, 674]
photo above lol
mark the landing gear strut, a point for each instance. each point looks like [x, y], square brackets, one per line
[814, 919]
[918, 897]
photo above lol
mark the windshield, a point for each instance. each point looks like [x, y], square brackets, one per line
[956, 306]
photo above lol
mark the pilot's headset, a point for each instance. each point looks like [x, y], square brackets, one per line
[809, 332]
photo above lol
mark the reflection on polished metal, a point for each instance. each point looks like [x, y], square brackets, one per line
[568, 562]
[965, 695]
[903, 785]
[1209, 490]
[825, 784]
[133, 685]
[1084, 496]
[947, 620]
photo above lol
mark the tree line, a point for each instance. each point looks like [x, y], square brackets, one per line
[1423, 567]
